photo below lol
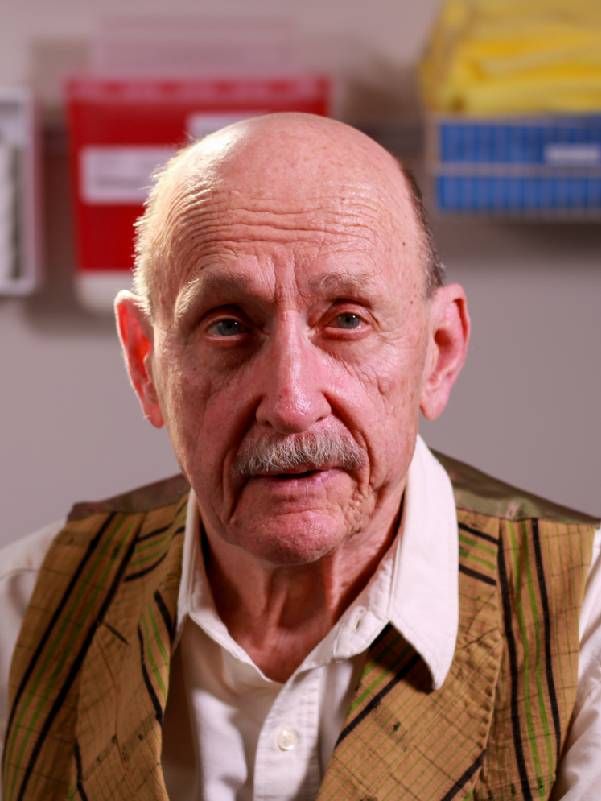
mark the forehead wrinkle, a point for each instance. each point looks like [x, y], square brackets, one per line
[214, 223]
[207, 218]
[202, 233]
[350, 206]
[303, 251]
[199, 240]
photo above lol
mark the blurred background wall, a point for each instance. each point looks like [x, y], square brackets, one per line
[526, 408]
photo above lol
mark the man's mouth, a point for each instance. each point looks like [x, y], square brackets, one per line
[299, 471]
[294, 483]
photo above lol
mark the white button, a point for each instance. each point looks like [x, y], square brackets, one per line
[287, 739]
[358, 621]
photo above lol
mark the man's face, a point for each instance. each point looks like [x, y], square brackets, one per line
[299, 326]
[292, 342]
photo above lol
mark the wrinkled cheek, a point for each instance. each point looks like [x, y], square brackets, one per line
[402, 406]
[186, 405]
[359, 510]
[395, 425]
[387, 385]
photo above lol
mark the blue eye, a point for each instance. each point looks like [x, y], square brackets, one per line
[226, 327]
[347, 320]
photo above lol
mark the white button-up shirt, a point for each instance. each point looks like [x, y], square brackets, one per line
[231, 733]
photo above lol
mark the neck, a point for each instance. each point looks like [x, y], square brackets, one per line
[277, 613]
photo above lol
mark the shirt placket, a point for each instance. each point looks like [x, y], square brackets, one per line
[287, 757]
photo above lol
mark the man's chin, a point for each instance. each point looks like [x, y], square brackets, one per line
[290, 540]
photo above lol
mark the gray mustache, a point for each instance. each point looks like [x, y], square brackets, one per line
[311, 451]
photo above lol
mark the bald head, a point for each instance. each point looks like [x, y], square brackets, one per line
[305, 165]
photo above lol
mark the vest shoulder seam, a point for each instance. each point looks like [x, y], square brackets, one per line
[150, 497]
[479, 492]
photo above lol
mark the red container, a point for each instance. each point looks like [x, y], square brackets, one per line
[121, 130]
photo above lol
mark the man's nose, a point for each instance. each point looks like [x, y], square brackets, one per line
[291, 378]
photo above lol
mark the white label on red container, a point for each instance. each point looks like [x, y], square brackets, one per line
[119, 174]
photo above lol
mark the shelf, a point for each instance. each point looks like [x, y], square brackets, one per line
[19, 193]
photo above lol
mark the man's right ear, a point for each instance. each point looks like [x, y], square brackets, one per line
[136, 336]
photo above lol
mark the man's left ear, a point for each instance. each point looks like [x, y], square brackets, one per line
[447, 348]
[135, 333]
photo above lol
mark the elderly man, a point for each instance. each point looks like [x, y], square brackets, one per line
[322, 615]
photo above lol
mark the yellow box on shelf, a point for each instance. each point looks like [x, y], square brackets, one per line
[493, 57]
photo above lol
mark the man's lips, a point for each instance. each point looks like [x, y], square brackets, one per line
[299, 471]
[299, 476]
[290, 475]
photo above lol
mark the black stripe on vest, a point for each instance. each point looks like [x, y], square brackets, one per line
[375, 701]
[79, 773]
[158, 709]
[475, 574]
[511, 647]
[547, 618]
[162, 607]
[146, 570]
[477, 533]
[464, 779]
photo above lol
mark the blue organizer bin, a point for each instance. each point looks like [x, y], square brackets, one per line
[518, 166]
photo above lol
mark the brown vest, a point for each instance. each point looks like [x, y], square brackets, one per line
[90, 673]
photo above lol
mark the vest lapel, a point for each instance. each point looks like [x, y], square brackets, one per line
[125, 677]
[402, 739]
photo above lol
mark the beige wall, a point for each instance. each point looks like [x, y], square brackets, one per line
[526, 409]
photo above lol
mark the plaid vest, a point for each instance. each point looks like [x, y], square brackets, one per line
[90, 672]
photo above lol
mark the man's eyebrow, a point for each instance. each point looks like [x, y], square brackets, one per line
[228, 286]
[345, 283]
[213, 283]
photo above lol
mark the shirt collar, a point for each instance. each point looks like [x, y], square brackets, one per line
[191, 564]
[420, 599]
[424, 605]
